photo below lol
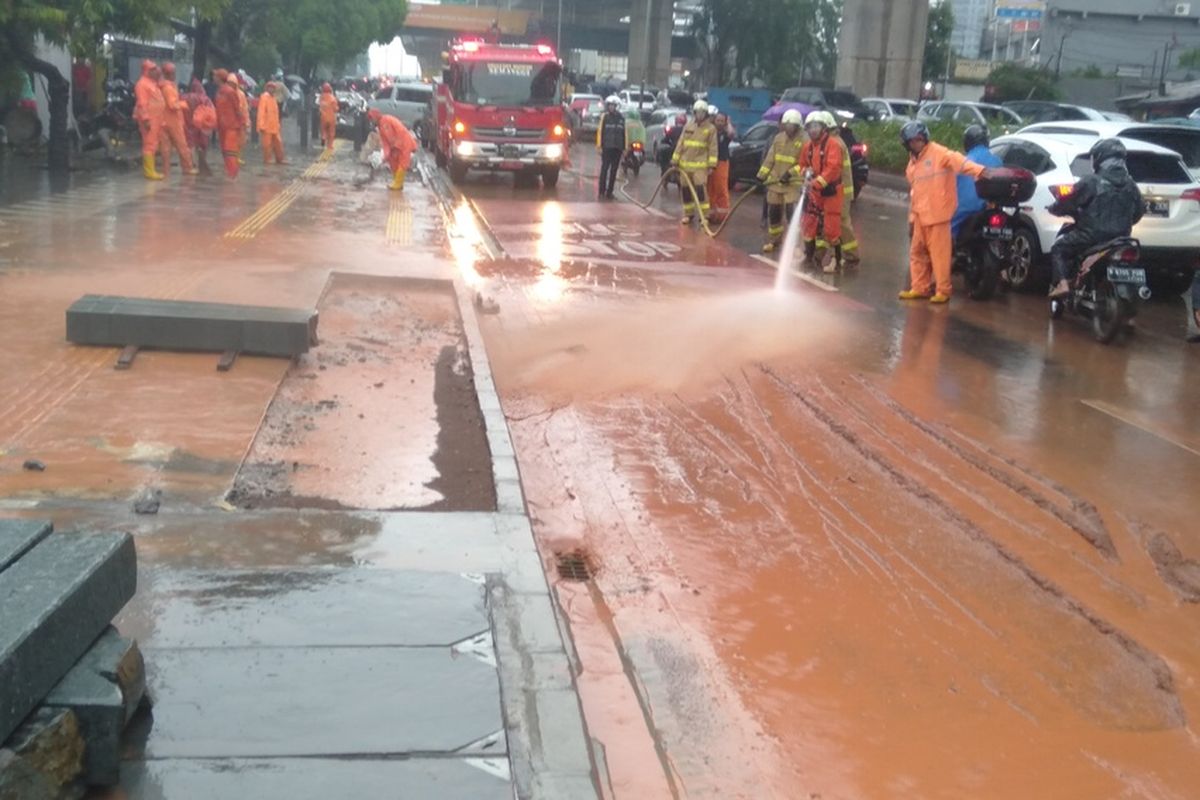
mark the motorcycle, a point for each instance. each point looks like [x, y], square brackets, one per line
[1107, 288]
[113, 124]
[633, 159]
[985, 240]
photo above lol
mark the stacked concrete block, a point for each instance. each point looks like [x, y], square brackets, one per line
[68, 682]
[185, 325]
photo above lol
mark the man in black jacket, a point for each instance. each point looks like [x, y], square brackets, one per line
[1105, 205]
[610, 141]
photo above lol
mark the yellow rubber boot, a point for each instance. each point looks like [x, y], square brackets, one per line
[148, 169]
[398, 180]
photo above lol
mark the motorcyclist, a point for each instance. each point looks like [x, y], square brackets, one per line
[975, 146]
[610, 142]
[1105, 205]
[635, 131]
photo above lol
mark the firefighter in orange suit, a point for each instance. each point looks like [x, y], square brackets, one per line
[932, 172]
[149, 112]
[821, 159]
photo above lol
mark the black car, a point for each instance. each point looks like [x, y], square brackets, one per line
[746, 155]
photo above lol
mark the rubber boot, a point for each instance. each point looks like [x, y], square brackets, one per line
[148, 169]
[835, 263]
[398, 180]
[810, 256]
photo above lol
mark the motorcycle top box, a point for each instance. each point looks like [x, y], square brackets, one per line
[1006, 185]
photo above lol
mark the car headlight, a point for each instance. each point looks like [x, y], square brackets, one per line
[465, 149]
[554, 151]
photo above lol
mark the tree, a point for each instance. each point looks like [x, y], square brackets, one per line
[778, 42]
[309, 33]
[77, 25]
[1013, 82]
[1190, 59]
[938, 29]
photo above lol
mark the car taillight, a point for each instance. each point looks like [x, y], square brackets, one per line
[637, 145]
[1062, 190]
[1191, 194]
[996, 220]
[859, 150]
[1127, 255]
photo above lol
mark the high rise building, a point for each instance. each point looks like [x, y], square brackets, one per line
[970, 21]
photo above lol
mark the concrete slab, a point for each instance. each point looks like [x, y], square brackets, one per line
[57, 599]
[18, 536]
[314, 779]
[318, 701]
[288, 608]
[186, 325]
[103, 690]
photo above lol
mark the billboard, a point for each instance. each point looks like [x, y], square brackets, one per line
[1020, 9]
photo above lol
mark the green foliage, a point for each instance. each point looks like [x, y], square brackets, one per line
[1090, 71]
[1190, 59]
[937, 40]
[778, 42]
[1014, 82]
[313, 32]
[886, 151]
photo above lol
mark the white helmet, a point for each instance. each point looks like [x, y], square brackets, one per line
[792, 117]
[700, 107]
[815, 118]
[612, 100]
[713, 111]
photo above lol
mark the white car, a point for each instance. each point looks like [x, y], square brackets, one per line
[995, 118]
[633, 99]
[1180, 138]
[890, 108]
[406, 101]
[1169, 232]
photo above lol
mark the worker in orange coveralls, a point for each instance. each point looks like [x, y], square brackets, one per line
[268, 125]
[932, 174]
[244, 112]
[398, 145]
[821, 157]
[229, 123]
[329, 109]
[149, 111]
[173, 135]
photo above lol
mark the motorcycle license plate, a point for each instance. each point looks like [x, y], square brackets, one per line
[1135, 275]
[1002, 232]
[1158, 208]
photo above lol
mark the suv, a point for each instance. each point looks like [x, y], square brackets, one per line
[997, 119]
[1182, 139]
[1169, 232]
[844, 106]
[883, 108]
[405, 101]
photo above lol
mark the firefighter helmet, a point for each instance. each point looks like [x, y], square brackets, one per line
[792, 117]
[700, 107]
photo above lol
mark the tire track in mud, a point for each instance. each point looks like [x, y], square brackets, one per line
[1162, 681]
[1083, 517]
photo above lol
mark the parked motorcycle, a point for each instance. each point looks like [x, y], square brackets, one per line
[1107, 288]
[633, 159]
[113, 124]
[985, 240]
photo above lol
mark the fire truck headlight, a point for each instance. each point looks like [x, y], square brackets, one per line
[554, 151]
[558, 131]
[459, 127]
[465, 149]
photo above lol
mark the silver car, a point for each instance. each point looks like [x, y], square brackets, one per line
[406, 101]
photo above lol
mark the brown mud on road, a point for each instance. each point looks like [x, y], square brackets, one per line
[817, 590]
[382, 415]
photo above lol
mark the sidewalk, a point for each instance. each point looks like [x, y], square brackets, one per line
[354, 623]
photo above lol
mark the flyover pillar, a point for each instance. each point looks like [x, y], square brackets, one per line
[650, 26]
[881, 47]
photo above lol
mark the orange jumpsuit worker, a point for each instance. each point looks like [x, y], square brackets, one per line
[173, 135]
[244, 112]
[149, 111]
[268, 126]
[398, 145]
[822, 156]
[932, 171]
[229, 122]
[329, 109]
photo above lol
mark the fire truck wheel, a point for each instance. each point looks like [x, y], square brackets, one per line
[458, 171]
[550, 177]
[440, 159]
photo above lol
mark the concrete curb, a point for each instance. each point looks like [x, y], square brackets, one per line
[549, 747]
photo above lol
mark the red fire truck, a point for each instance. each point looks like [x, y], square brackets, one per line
[499, 107]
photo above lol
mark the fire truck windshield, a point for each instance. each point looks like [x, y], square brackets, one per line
[502, 83]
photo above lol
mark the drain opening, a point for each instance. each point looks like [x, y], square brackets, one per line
[575, 566]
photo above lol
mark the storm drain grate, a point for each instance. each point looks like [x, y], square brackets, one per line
[574, 565]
